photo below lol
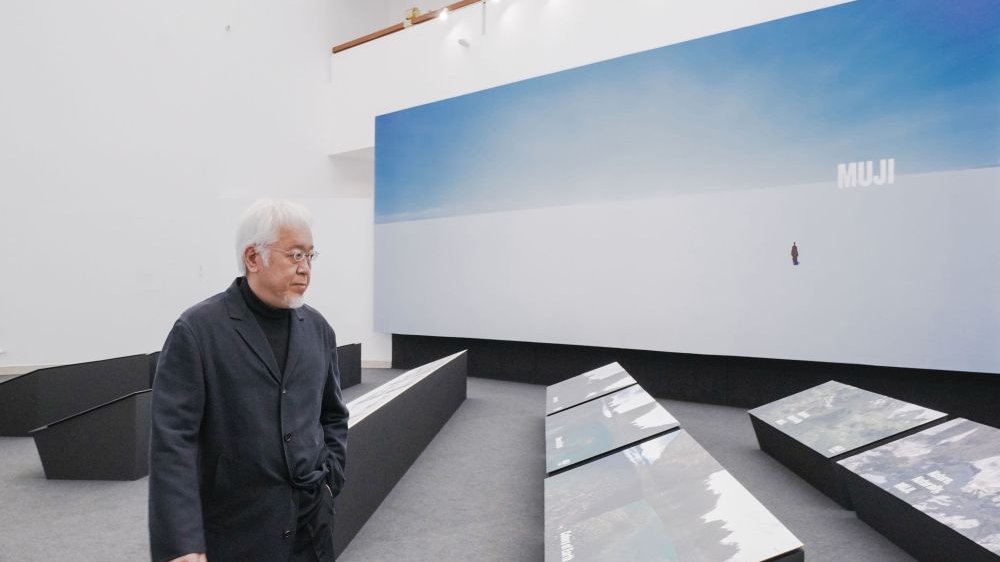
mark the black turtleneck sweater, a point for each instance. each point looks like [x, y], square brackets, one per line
[275, 323]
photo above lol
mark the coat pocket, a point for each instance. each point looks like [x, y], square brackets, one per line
[234, 492]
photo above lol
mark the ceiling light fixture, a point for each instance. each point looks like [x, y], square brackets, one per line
[414, 17]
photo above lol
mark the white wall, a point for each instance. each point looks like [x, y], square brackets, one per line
[357, 18]
[524, 38]
[132, 131]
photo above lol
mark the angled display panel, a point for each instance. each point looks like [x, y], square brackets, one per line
[935, 493]
[364, 405]
[589, 385]
[665, 499]
[809, 431]
[603, 425]
[389, 428]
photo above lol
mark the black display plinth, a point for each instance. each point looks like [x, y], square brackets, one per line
[388, 429]
[349, 362]
[42, 396]
[936, 493]
[810, 431]
[109, 442]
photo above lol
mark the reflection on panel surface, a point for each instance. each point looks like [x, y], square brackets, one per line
[664, 499]
[637, 531]
[599, 426]
[835, 418]
[950, 471]
[587, 386]
[371, 401]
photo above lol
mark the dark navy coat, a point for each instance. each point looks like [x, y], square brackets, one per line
[233, 438]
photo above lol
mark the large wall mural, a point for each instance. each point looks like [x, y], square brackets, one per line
[821, 187]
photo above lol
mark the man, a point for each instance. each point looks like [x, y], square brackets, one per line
[248, 426]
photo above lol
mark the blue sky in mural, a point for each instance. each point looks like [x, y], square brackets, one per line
[780, 103]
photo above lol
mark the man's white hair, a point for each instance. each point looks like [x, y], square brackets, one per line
[261, 224]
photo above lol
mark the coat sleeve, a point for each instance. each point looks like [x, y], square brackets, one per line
[175, 516]
[334, 421]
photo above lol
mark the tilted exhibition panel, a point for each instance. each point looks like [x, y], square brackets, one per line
[587, 386]
[45, 395]
[811, 430]
[602, 426]
[388, 429]
[935, 493]
[108, 442]
[664, 499]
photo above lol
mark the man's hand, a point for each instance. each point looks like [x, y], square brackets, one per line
[193, 557]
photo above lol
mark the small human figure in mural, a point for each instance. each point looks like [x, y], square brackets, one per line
[795, 254]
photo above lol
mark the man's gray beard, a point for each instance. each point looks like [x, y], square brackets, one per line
[295, 302]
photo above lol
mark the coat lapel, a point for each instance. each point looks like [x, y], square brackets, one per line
[250, 331]
[296, 341]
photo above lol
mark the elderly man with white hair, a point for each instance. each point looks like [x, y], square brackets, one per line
[249, 430]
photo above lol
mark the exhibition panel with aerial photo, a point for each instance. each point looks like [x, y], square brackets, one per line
[603, 425]
[665, 499]
[809, 431]
[587, 386]
[834, 418]
[935, 493]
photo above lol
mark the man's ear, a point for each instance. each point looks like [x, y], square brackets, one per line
[251, 259]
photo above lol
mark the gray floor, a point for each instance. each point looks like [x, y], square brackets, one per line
[475, 493]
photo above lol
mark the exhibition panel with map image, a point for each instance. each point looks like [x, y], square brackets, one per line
[666, 499]
[810, 431]
[635, 531]
[834, 418]
[950, 473]
[603, 425]
[587, 386]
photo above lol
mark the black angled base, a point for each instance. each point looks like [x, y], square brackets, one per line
[813, 467]
[43, 396]
[383, 445]
[821, 471]
[349, 362]
[109, 442]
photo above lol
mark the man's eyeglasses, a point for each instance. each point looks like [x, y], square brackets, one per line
[298, 255]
